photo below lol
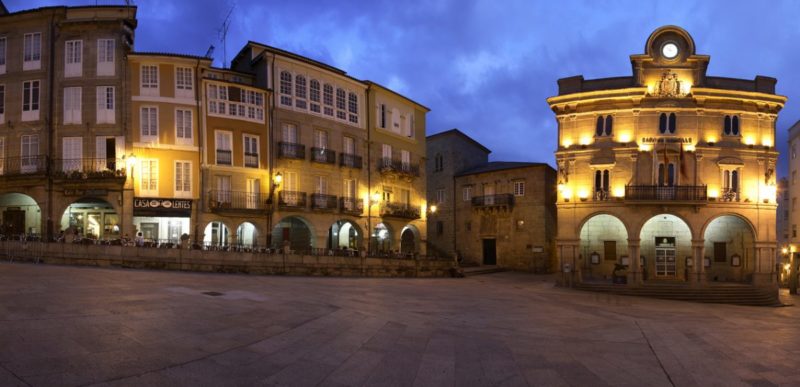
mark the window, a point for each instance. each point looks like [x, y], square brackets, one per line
[439, 227]
[341, 113]
[320, 139]
[349, 146]
[149, 81]
[604, 127]
[438, 163]
[2, 104]
[224, 188]
[730, 185]
[224, 145]
[105, 57]
[383, 116]
[184, 82]
[466, 193]
[148, 179]
[601, 184]
[183, 178]
[286, 88]
[794, 153]
[440, 196]
[183, 126]
[32, 51]
[289, 133]
[148, 123]
[105, 105]
[794, 231]
[730, 126]
[405, 160]
[395, 120]
[3, 55]
[666, 174]
[72, 105]
[349, 191]
[327, 99]
[235, 102]
[300, 92]
[29, 150]
[314, 96]
[352, 107]
[73, 58]
[250, 151]
[386, 151]
[667, 123]
[519, 188]
[30, 100]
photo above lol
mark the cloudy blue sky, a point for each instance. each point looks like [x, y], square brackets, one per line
[485, 67]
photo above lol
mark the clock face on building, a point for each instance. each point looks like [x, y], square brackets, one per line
[669, 50]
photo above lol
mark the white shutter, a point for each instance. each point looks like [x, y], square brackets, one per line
[72, 153]
[349, 146]
[291, 181]
[322, 185]
[119, 148]
[387, 151]
[100, 148]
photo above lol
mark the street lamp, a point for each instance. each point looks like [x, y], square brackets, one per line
[375, 198]
[276, 182]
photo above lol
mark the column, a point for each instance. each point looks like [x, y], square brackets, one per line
[764, 267]
[699, 266]
[635, 266]
[568, 263]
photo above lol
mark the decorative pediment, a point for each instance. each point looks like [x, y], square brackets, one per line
[602, 162]
[730, 162]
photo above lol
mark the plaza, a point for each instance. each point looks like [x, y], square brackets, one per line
[85, 326]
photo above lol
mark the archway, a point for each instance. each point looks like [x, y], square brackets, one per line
[381, 238]
[344, 234]
[666, 245]
[91, 218]
[20, 214]
[729, 249]
[216, 234]
[604, 243]
[408, 239]
[246, 234]
[295, 231]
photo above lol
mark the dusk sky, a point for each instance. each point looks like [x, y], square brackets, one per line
[485, 67]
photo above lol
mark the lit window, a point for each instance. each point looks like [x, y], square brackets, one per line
[183, 126]
[352, 107]
[300, 92]
[327, 99]
[149, 123]
[183, 178]
[149, 81]
[314, 96]
[519, 188]
[148, 181]
[286, 88]
[341, 104]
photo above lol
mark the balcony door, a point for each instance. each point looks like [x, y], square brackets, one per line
[253, 193]
[488, 192]
[72, 153]
[30, 153]
[224, 189]
[107, 149]
[666, 181]
[290, 189]
[665, 257]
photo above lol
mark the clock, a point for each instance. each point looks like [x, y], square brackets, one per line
[669, 50]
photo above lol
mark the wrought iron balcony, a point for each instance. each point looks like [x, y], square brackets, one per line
[323, 202]
[220, 200]
[25, 165]
[89, 168]
[224, 157]
[601, 195]
[350, 161]
[290, 150]
[292, 199]
[251, 160]
[400, 210]
[323, 155]
[661, 193]
[498, 200]
[729, 195]
[353, 206]
[388, 165]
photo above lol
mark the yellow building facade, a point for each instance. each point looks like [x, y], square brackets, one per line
[668, 173]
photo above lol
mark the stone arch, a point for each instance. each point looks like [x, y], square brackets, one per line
[20, 213]
[708, 222]
[247, 234]
[216, 233]
[92, 217]
[636, 230]
[627, 226]
[345, 233]
[729, 245]
[603, 243]
[665, 242]
[409, 239]
[297, 230]
[381, 238]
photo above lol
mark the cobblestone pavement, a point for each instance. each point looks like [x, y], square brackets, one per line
[84, 326]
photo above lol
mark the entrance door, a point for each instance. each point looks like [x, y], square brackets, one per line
[665, 262]
[407, 244]
[149, 231]
[489, 252]
[14, 221]
[174, 231]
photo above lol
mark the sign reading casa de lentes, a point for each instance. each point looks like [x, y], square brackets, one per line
[162, 207]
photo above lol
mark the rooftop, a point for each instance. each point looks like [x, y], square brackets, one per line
[456, 132]
[494, 166]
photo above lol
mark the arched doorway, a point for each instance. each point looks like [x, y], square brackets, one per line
[604, 243]
[381, 238]
[729, 250]
[666, 245]
[296, 231]
[216, 234]
[91, 218]
[408, 240]
[247, 234]
[20, 215]
[344, 234]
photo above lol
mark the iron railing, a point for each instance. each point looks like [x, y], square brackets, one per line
[290, 150]
[251, 160]
[350, 161]
[323, 155]
[220, 200]
[498, 200]
[323, 202]
[292, 199]
[224, 157]
[89, 168]
[729, 195]
[386, 164]
[659, 192]
[400, 210]
[351, 205]
[24, 165]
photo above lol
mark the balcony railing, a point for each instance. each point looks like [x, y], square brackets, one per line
[223, 157]
[290, 150]
[658, 192]
[729, 195]
[323, 155]
[351, 206]
[601, 195]
[251, 160]
[388, 165]
[400, 210]
[323, 202]
[220, 200]
[350, 161]
[25, 165]
[292, 199]
[89, 168]
[499, 200]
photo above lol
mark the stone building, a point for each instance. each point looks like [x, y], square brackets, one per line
[668, 171]
[490, 213]
[783, 197]
[791, 197]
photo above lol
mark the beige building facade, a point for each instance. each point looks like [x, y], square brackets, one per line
[668, 172]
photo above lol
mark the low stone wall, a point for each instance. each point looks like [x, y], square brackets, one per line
[222, 261]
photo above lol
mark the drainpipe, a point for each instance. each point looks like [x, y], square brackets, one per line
[50, 129]
[369, 175]
[198, 93]
[271, 144]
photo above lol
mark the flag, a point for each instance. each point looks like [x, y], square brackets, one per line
[683, 163]
[666, 165]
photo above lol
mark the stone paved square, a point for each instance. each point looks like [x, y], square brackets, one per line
[76, 326]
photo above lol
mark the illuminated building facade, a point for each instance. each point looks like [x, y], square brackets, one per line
[669, 172]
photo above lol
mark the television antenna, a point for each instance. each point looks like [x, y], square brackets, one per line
[223, 35]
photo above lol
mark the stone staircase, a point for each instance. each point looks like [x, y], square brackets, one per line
[737, 294]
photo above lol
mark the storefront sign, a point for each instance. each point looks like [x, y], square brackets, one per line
[666, 140]
[162, 207]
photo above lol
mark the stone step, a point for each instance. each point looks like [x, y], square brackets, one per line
[722, 294]
[478, 270]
